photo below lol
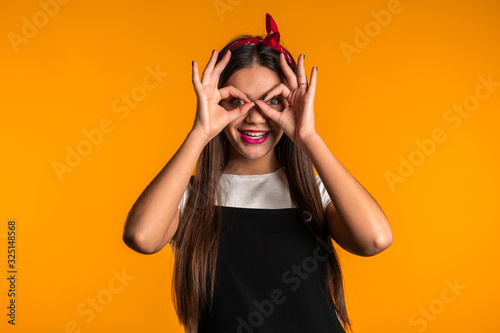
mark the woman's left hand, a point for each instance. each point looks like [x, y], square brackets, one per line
[297, 119]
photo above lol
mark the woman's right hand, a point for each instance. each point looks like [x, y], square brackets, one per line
[211, 118]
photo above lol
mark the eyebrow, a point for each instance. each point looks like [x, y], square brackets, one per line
[251, 99]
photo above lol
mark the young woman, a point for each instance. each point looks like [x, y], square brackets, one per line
[252, 230]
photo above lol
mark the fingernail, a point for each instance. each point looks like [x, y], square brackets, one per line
[264, 97]
[316, 68]
[192, 63]
[303, 56]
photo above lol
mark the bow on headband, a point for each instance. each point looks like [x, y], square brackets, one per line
[272, 39]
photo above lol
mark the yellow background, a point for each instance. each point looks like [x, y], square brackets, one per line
[371, 106]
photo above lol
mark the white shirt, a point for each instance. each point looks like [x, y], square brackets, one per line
[265, 191]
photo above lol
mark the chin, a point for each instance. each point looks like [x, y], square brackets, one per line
[254, 157]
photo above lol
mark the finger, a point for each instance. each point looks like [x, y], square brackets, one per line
[220, 67]
[268, 111]
[314, 77]
[196, 77]
[290, 75]
[207, 72]
[280, 89]
[227, 91]
[301, 72]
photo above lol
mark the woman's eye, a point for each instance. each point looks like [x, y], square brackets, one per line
[237, 101]
[273, 101]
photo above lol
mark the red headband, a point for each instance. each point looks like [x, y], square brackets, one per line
[272, 39]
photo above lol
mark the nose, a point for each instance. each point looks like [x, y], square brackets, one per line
[255, 115]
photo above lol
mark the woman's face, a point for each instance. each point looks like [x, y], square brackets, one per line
[253, 136]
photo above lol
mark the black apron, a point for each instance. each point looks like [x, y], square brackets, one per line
[269, 276]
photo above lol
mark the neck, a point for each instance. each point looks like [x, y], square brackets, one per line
[252, 167]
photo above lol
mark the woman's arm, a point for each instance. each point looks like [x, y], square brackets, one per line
[154, 217]
[355, 220]
[150, 223]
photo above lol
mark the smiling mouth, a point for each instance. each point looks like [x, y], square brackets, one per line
[254, 135]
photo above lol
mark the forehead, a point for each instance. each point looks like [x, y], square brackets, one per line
[254, 81]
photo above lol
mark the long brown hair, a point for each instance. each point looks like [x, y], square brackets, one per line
[197, 237]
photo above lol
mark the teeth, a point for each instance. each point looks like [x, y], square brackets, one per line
[255, 135]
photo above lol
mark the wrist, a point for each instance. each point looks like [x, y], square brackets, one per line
[308, 141]
[199, 136]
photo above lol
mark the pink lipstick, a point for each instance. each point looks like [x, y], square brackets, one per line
[255, 137]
